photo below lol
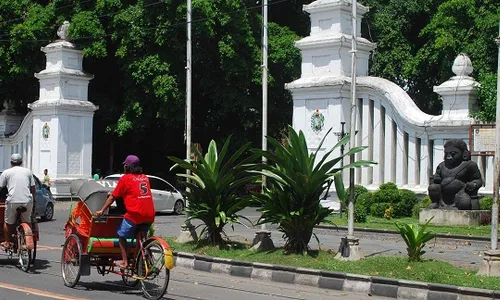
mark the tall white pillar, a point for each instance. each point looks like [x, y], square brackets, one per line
[62, 117]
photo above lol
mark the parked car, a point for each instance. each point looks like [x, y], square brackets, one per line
[44, 200]
[165, 196]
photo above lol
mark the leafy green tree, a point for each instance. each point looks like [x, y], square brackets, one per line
[137, 51]
[419, 39]
[470, 27]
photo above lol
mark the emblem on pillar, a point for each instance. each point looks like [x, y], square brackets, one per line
[317, 121]
[46, 131]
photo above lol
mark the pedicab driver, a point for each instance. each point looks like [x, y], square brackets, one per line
[21, 192]
[134, 188]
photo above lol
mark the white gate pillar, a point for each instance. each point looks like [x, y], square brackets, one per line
[62, 117]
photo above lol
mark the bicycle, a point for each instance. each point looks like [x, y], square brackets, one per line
[24, 241]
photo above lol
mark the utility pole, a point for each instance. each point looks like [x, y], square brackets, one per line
[188, 232]
[349, 246]
[342, 148]
[262, 240]
[264, 83]
[491, 258]
[494, 212]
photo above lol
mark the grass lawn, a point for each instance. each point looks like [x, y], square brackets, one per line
[382, 266]
[381, 223]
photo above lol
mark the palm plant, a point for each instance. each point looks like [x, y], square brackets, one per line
[415, 237]
[212, 188]
[296, 182]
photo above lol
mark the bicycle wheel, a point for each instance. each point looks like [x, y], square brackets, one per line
[71, 261]
[152, 267]
[131, 282]
[23, 253]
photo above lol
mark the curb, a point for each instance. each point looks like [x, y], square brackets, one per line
[370, 285]
[391, 231]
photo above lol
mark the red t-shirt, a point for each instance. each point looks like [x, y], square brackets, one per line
[135, 191]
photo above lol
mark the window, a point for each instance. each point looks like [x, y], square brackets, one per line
[38, 185]
[158, 184]
[170, 188]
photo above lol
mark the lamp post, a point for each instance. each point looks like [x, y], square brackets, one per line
[349, 245]
[491, 259]
[262, 240]
[188, 232]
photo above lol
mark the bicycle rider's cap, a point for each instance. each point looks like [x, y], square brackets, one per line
[132, 161]
[16, 158]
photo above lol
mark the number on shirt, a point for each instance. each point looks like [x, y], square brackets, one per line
[144, 188]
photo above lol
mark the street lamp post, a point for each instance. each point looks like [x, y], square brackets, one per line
[262, 240]
[491, 259]
[349, 245]
[188, 232]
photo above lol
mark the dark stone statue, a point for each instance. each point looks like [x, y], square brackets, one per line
[457, 179]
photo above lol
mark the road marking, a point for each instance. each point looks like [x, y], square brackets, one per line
[37, 292]
[43, 248]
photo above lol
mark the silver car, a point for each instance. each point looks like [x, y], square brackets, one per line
[165, 196]
[44, 200]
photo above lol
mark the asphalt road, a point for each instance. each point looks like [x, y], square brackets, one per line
[46, 282]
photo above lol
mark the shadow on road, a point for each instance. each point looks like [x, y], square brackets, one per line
[11, 263]
[112, 286]
[40, 264]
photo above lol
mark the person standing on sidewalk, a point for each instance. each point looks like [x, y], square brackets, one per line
[46, 178]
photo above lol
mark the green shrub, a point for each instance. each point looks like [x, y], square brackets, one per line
[366, 199]
[359, 190]
[360, 212]
[426, 201]
[486, 203]
[422, 204]
[378, 209]
[406, 200]
[386, 196]
[388, 186]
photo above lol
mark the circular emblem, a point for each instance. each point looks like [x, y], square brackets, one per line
[317, 121]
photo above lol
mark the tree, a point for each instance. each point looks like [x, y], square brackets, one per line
[417, 41]
[137, 52]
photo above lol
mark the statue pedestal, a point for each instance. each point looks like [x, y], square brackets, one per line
[453, 217]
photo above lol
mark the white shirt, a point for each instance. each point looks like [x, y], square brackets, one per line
[19, 181]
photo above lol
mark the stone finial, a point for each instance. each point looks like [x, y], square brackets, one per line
[62, 32]
[462, 66]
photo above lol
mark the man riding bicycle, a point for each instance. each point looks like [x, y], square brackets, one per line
[135, 190]
[21, 193]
